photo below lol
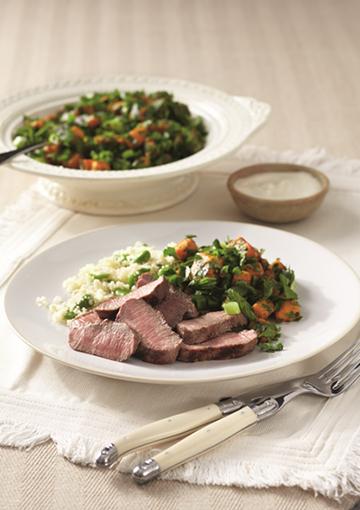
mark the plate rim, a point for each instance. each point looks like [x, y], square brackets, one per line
[178, 381]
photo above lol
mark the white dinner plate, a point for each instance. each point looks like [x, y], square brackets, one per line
[329, 292]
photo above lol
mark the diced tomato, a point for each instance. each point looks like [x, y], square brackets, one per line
[50, 116]
[115, 106]
[74, 161]
[138, 133]
[122, 141]
[92, 164]
[142, 112]
[94, 122]
[37, 124]
[147, 159]
[99, 139]
[88, 108]
[52, 148]
[100, 165]
[77, 132]
[86, 164]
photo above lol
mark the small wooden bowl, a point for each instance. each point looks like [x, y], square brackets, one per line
[273, 210]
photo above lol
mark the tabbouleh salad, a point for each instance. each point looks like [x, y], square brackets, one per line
[114, 131]
[231, 275]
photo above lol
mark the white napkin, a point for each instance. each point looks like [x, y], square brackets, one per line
[313, 443]
[25, 226]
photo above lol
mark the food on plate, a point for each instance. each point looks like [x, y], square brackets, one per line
[185, 302]
[108, 339]
[158, 342]
[114, 131]
[209, 325]
[226, 346]
[153, 292]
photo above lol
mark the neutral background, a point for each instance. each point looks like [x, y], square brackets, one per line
[301, 56]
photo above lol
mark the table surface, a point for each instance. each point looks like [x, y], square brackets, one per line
[301, 57]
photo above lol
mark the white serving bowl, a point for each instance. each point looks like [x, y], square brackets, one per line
[229, 120]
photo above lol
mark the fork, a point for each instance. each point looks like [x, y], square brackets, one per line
[6, 156]
[331, 381]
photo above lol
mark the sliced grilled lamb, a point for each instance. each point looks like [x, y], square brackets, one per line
[226, 346]
[107, 339]
[144, 279]
[176, 306]
[210, 325]
[91, 316]
[158, 342]
[153, 292]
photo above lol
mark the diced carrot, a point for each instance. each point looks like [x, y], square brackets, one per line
[244, 276]
[255, 269]
[269, 273]
[94, 122]
[38, 123]
[138, 133]
[142, 112]
[86, 164]
[263, 308]
[88, 108]
[52, 148]
[209, 264]
[185, 248]
[147, 159]
[92, 164]
[49, 116]
[265, 263]
[77, 132]
[289, 311]
[99, 139]
[161, 126]
[277, 265]
[115, 106]
[122, 140]
[250, 250]
[100, 165]
[74, 161]
[213, 259]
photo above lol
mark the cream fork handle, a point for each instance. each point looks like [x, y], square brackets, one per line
[158, 432]
[168, 428]
[194, 445]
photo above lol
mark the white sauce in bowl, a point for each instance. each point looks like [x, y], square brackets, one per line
[279, 185]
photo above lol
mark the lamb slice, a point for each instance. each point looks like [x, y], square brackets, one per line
[107, 339]
[91, 316]
[158, 342]
[209, 325]
[226, 346]
[144, 279]
[153, 292]
[176, 306]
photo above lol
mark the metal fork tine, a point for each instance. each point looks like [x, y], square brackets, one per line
[349, 376]
[330, 370]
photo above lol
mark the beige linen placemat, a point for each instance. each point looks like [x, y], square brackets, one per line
[313, 444]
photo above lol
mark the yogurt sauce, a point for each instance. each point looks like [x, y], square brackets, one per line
[279, 185]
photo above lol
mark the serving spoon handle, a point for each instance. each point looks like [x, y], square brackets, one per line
[6, 156]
